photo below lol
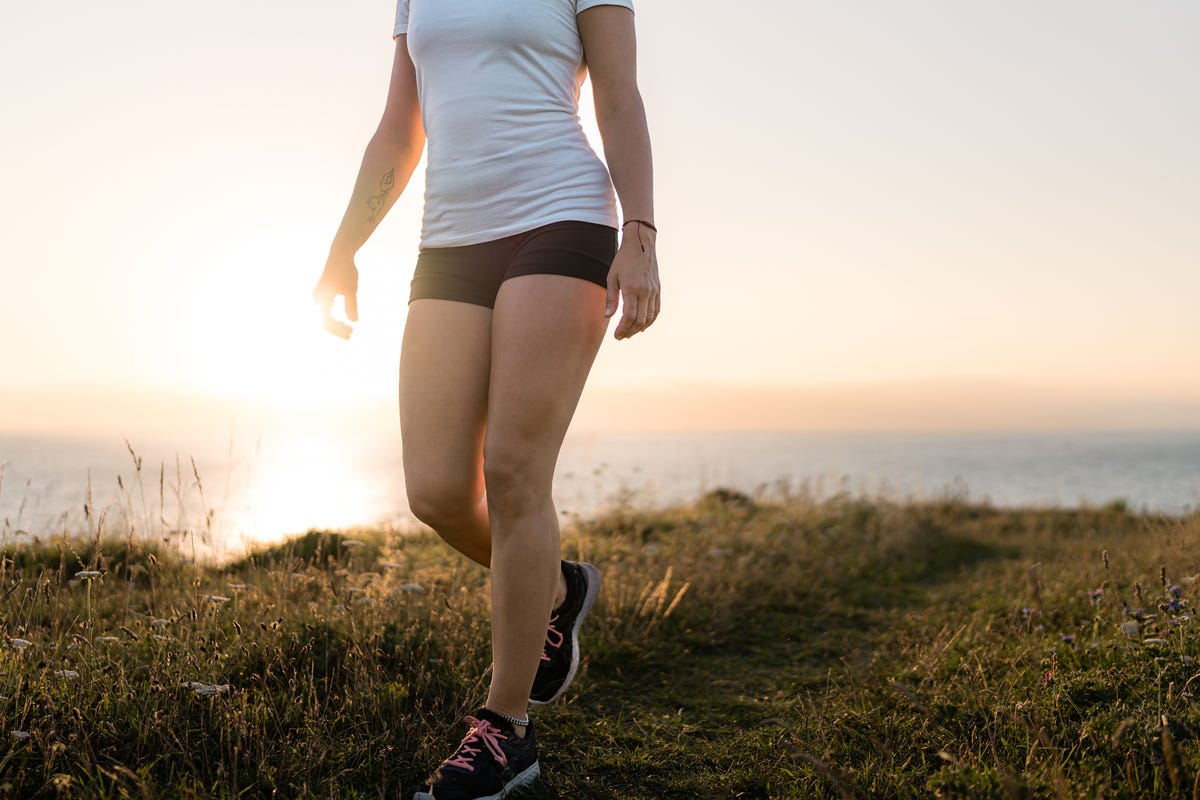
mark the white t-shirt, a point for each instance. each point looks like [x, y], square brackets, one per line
[499, 85]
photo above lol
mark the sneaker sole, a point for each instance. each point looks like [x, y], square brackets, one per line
[589, 600]
[531, 774]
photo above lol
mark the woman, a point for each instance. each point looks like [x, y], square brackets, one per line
[517, 276]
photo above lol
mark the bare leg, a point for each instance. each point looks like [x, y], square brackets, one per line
[546, 330]
[444, 365]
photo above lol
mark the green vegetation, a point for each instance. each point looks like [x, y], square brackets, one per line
[800, 648]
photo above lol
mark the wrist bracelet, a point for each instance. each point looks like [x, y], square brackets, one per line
[641, 223]
[513, 720]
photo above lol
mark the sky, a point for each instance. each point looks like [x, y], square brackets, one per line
[872, 215]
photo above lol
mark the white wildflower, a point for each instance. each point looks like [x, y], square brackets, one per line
[412, 587]
[87, 574]
[19, 735]
[19, 644]
[66, 674]
[206, 689]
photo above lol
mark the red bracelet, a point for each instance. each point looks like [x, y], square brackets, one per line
[649, 225]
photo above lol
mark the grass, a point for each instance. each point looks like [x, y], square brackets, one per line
[842, 648]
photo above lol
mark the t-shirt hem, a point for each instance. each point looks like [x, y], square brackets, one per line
[520, 226]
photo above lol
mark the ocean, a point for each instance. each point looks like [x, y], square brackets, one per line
[235, 493]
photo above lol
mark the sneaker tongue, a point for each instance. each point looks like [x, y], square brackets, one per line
[574, 585]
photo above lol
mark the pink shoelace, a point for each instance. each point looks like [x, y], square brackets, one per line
[551, 633]
[482, 732]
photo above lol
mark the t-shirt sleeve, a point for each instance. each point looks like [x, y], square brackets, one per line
[584, 5]
[402, 18]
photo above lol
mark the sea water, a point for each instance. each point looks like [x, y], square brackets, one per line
[261, 490]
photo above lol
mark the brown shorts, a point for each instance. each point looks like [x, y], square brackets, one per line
[473, 273]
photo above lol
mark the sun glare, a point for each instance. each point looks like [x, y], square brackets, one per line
[309, 479]
[258, 339]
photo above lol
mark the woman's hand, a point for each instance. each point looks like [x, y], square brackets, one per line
[339, 278]
[633, 278]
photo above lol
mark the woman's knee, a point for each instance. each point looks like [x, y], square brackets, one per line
[516, 479]
[442, 504]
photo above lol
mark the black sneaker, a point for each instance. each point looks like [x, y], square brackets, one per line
[560, 656]
[490, 763]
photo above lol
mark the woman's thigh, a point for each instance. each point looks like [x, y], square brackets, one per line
[445, 360]
[546, 330]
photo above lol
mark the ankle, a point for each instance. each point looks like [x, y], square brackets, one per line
[560, 594]
[520, 723]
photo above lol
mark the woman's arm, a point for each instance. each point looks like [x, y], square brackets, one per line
[610, 51]
[388, 163]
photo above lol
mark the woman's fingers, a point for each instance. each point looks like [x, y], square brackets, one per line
[336, 327]
[334, 282]
[642, 310]
[639, 308]
[628, 323]
[613, 294]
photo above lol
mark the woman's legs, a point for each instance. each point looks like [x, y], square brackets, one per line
[445, 365]
[445, 362]
[515, 373]
[545, 332]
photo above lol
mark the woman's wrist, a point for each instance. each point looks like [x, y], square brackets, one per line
[645, 223]
[341, 250]
[641, 231]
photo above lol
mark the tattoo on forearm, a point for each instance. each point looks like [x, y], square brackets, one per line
[377, 202]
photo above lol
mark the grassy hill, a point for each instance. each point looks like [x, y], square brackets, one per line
[740, 649]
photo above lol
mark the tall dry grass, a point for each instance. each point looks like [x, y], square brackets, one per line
[802, 647]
